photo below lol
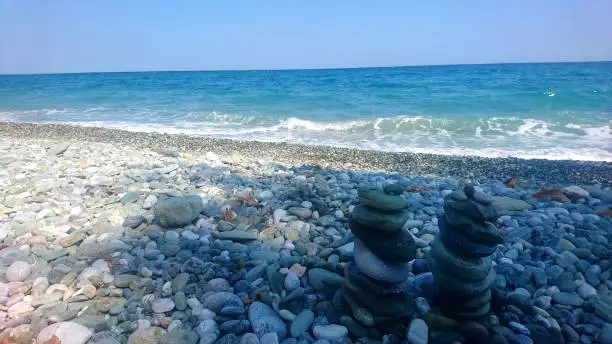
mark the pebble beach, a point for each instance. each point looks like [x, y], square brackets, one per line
[114, 237]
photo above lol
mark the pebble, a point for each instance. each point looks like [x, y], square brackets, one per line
[66, 332]
[18, 271]
[264, 320]
[330, 332]
[301, 323]
[292, 281]
[162, 305]
[418, 332]
[158, 229]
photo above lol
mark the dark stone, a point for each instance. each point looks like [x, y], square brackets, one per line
[353, 273]
[391, 305]
[419, 266]
[483, 232]
[474, 269]
[454, 285]
[229, 338]
[446, 338]
[521, 301]
[376, 199]
[385, 224]
[394, 189]
[541, 335]
[460, 244]
[472, 209]
[570, 335]
[474, 332]
[519, 339]
[497, 339]
[399, 247]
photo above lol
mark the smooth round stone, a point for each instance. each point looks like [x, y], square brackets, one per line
[380, 201]
[162, 305]
[474, 332]
[173, 212]
[567, 299]
[399, 247]
[605, 335]
[363, 315]
[418, 332]
[461, 245]
[458, 195]
[353, 273]
[472, 209]
[264, 320]
[449, 283]
[249, 338]
[483, 232]
[394, 189]
[292, 281]
[105, 337]
[376, 268]
[391, 305]
[330, 332]
[355, 329]
[301, 323]
[386, 224]
[269, 338]
[18, 271]
[219, 300]
[469, 269]
[66, 332]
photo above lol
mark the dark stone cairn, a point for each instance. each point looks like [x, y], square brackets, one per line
[373, 282]
[460, 254]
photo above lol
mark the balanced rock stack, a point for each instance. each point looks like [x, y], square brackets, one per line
[460, 255]
[373, 282]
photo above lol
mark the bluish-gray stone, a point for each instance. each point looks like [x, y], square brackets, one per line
[264, 319]
[567, 299]
[218, 300]
[376, 268]
[302, 323]
[173, 212]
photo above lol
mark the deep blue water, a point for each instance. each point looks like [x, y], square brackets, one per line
[554, 111]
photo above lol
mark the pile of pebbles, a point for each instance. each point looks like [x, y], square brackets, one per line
[107, 244]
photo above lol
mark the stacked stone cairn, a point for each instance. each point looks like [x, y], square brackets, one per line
[460, 254]
[373, 286]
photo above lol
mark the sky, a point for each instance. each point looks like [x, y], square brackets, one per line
[60, 36]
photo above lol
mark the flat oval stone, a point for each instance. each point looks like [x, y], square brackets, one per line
[394, 189]
[462, 246]
[399, 247]
[352, 272]
[378, 200]
[474, 269]
[385, 223]
[392, 305]
[376, 268]
[473, 315]
[472, 209]
[479, 231]
[455, 285]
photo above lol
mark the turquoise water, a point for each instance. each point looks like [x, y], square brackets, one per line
[552, 111]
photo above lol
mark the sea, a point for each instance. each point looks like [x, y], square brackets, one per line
[559, 111]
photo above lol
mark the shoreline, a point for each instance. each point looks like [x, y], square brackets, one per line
[534, 171]
[113, 242]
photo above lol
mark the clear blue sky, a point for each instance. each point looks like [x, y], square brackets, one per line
[46, 36]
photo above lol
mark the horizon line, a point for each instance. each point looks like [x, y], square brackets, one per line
[305, 69]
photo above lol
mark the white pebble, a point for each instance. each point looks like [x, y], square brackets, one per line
[18, 271]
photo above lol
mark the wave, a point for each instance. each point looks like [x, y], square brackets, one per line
[563, 138]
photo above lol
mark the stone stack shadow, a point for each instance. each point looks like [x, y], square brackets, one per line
[460, 254]
[374, 283]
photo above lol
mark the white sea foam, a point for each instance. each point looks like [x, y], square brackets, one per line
[490, 137]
